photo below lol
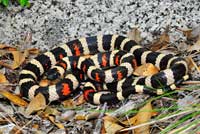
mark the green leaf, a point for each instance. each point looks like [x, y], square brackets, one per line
[28, 4]
[23, 3]
[5, 2]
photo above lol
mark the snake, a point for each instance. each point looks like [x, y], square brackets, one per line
[106, 76]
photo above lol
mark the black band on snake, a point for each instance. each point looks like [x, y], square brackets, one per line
[111, 67]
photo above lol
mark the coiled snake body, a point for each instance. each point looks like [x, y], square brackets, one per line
[109, 50]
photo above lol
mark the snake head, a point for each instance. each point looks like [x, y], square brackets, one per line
[52, 74]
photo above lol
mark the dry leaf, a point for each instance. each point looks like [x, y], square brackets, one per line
[7, 129]
[143, 116]
[196, 46]
[14, 98]
[18, 59]
[80, 117]
[3, 79]
[112, 125]
[114, 119]
[69, 103]
[80, 100]
[5, 65]
[146, 70]
[18, 56]
[3, 121]
[51, 111]
[161, 42]
[36, 104]
[36, 126]
[192, 64]
[34, 51]
[6, 47]
[3, 53]
[135, 35]
[187, 33]
[111, 128]
[58, 124]
[93, 115]
[191, 34]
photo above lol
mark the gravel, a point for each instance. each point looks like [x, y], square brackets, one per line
[55, 21]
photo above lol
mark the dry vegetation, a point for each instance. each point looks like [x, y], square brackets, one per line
[173, 112]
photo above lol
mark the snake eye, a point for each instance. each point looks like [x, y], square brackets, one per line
[52, 74]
